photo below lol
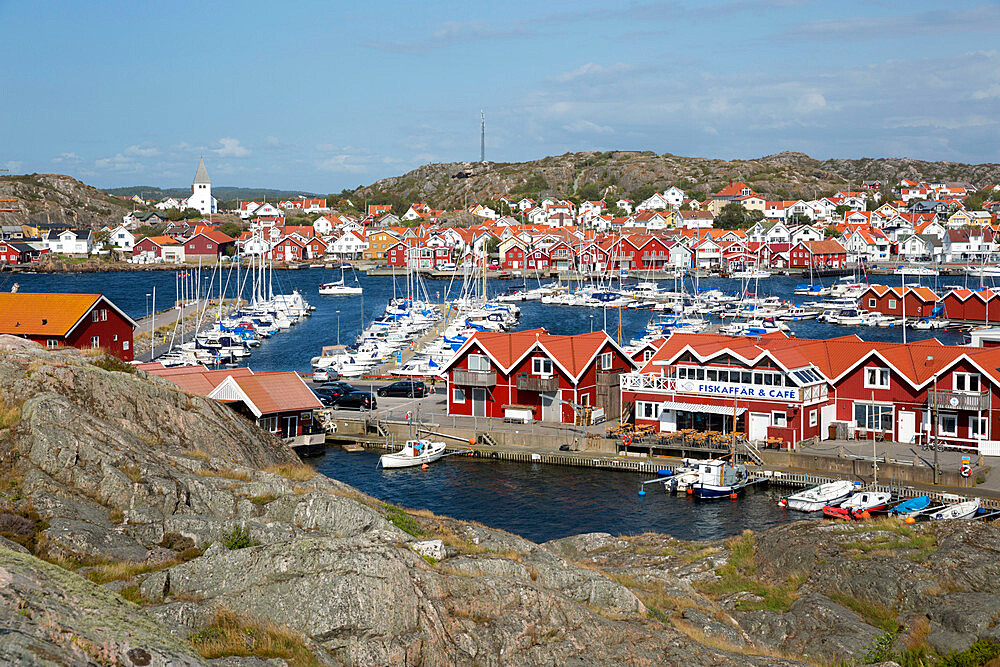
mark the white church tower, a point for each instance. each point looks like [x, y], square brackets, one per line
[201, 192]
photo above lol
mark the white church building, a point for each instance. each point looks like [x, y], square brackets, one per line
[201, 192]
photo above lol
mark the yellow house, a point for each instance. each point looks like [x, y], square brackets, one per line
[960, 219]
[715, 205]
[379, 240]
[750, 203]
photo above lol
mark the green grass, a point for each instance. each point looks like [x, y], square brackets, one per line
[919, 545]
[230, 634]
[263, 499]
[239, 538]
[740, 574]
[874, 613]
[406, 523]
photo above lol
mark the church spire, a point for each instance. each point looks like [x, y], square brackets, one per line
[201, 176]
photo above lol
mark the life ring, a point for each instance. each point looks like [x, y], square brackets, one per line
[966, 470]
[627, 439]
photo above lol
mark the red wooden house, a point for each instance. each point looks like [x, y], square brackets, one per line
[496, 373]
[920, 301]
[154, 245]
[512, 256]
[825, 254]
[85, 321]
[537, 259]
[975, 305]
[288, 249]
[207, 245]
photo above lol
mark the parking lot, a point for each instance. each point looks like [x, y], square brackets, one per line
[389, 407]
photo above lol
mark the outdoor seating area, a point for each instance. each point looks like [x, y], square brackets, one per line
[647, 436]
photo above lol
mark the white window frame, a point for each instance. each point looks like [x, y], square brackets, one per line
[479, 363]
[892, 303]
[779, 419]
[52, 343]
[813, 419]
[607, 359]
[979, 427]
[967, 379]
[871, 303]
[538, 365]
[940, 425]
[457, 395]
[95, 342]
[874, 376]
[125, 345]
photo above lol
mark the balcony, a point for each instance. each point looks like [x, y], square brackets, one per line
[956, 400]
[540, 384]
[474, 378]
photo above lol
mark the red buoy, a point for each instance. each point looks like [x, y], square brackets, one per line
[733, 495]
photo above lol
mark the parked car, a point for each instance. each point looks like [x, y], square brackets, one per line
[446, 266]
[334, 389]
[324, 375]
[404, 388]
[355, 400]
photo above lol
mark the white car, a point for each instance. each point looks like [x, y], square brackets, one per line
[321, 375]
[447, 266]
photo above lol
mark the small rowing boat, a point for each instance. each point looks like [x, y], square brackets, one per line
[963, 510]
[814, 499]
[859, 506]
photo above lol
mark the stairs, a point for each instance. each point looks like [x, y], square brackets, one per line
[377, 427]
[752, 453]
[487, 439]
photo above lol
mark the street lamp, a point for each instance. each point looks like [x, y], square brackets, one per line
[338, 327]
[591, 324]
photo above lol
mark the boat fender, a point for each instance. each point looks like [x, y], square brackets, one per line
[424, 467]
[782, 503]
[494, 455]
[733, 495]
[864, 515]
[966, 470]
[690, 491]
[910, 519]
[472, 441]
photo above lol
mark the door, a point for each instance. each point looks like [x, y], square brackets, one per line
[478, 402]
[289, 427]
[759, 421]
[826, 415]
[906, 426]
[550, 409]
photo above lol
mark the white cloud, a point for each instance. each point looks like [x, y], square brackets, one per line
[142, 151]
[582, 126]
[117, 162]
[66, 157]
[591, 71]
[987, 93]
[231, 148]
[271, 141]
[342, 163]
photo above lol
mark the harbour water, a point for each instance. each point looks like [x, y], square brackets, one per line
[545, 502]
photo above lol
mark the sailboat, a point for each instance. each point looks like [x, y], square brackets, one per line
[338, 288]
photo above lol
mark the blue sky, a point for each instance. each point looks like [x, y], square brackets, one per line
[327, 95]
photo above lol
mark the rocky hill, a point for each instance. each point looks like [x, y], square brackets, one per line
[144, 526]
[637, 174]
[59, 200]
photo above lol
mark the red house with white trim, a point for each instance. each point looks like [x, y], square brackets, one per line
[920, 301]
[825, 254]
[533, 371]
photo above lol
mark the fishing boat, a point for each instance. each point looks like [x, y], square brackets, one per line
[718, 478]
[817, 497]
[963, 510]
[859, 506]
[684, 476]
[414, 453]
[911, 507]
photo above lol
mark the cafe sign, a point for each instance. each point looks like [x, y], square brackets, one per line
[747, 391]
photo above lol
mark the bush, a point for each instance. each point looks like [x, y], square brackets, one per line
[299, 472]
[239, 539]
[403, 521]
[110, 363]
[189, 554]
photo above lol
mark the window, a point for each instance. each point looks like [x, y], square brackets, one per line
[871, 303]
[51, 343]
[779, 419]
[965, 382]
[541, 366]
[269, 423]
[812, 417]
[95, 341]
[647, 410]
[125, 345]
[95, 316]
[104, 314]
[647, 355]
[606, 361]
[873, 416]
[458, 395]
[947, 424]
[877, 378]
[892, 303]
[978, 427]
[478, 362]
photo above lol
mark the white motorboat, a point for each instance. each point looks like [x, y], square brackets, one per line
[990, 271]
[750, 273]
[414, 453]
[719, 478]
[903, 270]
[963, 510]
[338, 288]
[817, 497]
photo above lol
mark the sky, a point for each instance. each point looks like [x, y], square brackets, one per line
[322, 96]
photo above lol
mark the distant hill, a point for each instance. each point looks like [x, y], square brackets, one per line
[58, 200]
[222, 193]
[637, 174]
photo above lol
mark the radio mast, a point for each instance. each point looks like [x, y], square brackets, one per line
[482, 136]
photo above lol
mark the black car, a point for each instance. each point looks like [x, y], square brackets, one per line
[334, 389]
[405, 388]
[355, 400]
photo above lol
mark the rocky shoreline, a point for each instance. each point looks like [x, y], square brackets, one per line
[143, 525]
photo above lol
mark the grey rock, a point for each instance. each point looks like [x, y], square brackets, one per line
[13, 546]
[430, 549]
[81, 537]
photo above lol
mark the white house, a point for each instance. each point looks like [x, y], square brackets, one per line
[674, 197]
[350, 245]
[121, 237]
[625, 205]
[657, 202]
[802, 233]
[525, 204]
[323, 225]
[201, 198]
[168, 204]
[70, 241]
[919, 247]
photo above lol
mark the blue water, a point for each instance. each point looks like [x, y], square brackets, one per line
[292, 349]
[545, 502]
[537, 501]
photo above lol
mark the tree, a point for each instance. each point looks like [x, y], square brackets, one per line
[732, 216]
[492, 245]
[842, 210]
[230, 229]
[832, 233]
[799, 219]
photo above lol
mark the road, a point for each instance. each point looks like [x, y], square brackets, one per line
[160, 319]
